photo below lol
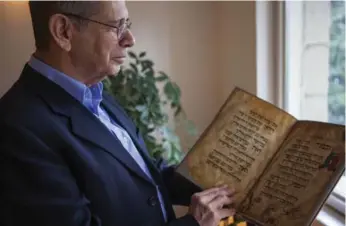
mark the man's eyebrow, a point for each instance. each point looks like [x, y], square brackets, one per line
[119, 21]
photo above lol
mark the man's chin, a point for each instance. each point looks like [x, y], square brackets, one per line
[114, 70]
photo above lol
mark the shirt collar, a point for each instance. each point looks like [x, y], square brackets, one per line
[90, 97]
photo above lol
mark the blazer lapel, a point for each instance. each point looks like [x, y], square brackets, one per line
[83, 123]
[118, 114]
[86, 126]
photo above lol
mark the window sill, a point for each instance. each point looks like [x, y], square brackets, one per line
[329, 217]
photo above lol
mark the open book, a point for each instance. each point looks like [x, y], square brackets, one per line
[283, 169]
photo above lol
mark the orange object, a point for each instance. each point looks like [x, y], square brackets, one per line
[242, 223]
[222, 223]
[230, 220]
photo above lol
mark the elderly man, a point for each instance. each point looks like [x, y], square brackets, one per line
[69, 155]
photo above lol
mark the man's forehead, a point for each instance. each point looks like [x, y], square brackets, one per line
[113, 10]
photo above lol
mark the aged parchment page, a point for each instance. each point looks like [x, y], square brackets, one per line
[302, 174]
[238, 144]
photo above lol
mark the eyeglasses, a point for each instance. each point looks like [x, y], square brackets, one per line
[121, 29]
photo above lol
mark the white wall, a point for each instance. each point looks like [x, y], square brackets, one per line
[16, 41]
[237, 46]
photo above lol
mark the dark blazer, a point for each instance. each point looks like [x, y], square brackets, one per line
[60, 166]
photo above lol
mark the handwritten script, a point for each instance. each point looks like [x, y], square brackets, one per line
[297, 166]
[240, 143]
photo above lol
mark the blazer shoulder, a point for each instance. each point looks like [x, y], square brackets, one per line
[19, 105]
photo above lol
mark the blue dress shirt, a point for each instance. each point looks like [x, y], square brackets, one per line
[91, 98]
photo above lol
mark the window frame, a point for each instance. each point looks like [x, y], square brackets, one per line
[291, 100]
[271, 32]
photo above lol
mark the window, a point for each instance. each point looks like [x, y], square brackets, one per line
[315, 69]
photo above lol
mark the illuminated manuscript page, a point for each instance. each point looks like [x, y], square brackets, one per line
[238, 144]
[301, 176]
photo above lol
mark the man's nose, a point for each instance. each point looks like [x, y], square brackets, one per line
[128, 40]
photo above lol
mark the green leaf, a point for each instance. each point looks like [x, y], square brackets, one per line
[142, 54]
[150, 74]
[162, 77]
[132, 55]
[177, 111]
[141, 108]
[146, 65]
[144, 117]
[177, 90]
[134, 67]
[169, 90]
[150, 130]
[176, 156]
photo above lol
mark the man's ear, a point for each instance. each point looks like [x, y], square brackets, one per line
[61, 30]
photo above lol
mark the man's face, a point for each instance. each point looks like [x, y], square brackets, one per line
[96, 49]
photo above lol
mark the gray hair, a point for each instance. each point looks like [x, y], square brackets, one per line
[41, 11]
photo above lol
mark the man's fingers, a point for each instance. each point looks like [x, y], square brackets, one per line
[219, 201]
[207, 195]
[223, 213]
[212, 194]
[212, 190]
[212, 205]
[216, 191]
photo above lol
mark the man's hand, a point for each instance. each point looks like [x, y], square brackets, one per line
[209, 207]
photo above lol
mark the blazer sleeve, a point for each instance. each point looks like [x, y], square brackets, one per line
[187, 220]
[179, 188]
[37, 187]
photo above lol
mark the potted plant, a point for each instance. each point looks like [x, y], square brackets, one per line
[137, 88]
